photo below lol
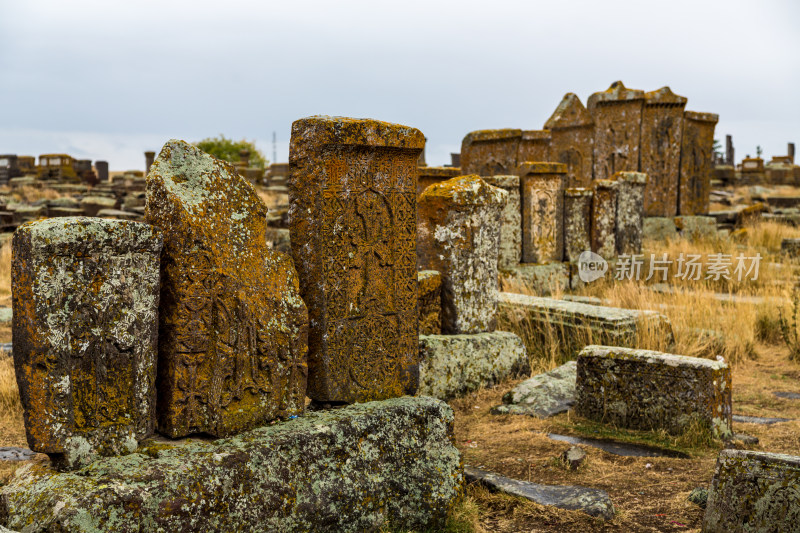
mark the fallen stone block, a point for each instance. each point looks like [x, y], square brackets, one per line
[754, 492]
[350, 469]
[659, 228]
[544, 279]
[761, 420]
[453, 365]
[542, 395]
[623, 449]
[644, 389]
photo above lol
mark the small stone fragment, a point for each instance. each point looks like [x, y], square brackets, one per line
[699, 496]
[574, 457]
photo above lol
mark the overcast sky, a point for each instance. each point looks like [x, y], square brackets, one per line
[110, 79]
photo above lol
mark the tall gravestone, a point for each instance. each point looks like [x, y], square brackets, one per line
[572, 139]
[490, 152]
[233, 328]
[534, 145]
[511, 225]
[662, 130]
[459, 236]
[628, 226]
[542, 190]
[577, 222]
[697, 153]
[604, 218]
[617, 114]
[85, 301]
[353, 195]
[102, 171]
[149, 157]
[729, 153]
[790, 151]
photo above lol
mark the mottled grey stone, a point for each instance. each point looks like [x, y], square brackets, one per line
[630, 212]
[594, 502]
[577, 222]
[351, 469]
[542, 279]
[452, 365]
[6, 314]
[659, 228]
[696, 227]
[574, 457]
[699, 496]
[511, 221]
[15, 453]
[542, 395]
[623, 449]
[762, 420]
[787, 395]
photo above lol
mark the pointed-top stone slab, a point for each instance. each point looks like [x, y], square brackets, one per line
[616, 92]
[570, 113]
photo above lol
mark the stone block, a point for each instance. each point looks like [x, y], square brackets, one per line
[604, 218]
[453, 365]
[353, 198]
[790, 248]
[85, 325]
[544, 279]
[617, 114]
[696, 227]
[542, 190]
[644, 389]
[92, 204]
[534, 145]
[659, 228]
[697, 151]
[572, 140]
[427, 176]
[233, 328]
[118, 214]
[354, 469]
[490, 152]
[542, 395]
[65, 212]
[630, 212]
[511, 223]
[577, 223]
[458, 235]
[754, 492]
[430, 302]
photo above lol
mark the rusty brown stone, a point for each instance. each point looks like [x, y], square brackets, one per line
[542, 191]
[628, 226]
[458, 232]
[427, 176]
[85, 323]
[617, 114]
[352, 195]
[490, 152]
[662, 131]
[577, 222]
[572, 140]
[534, 145]
[233, 328]
[430, 302]
[697, 152]
[604, 214]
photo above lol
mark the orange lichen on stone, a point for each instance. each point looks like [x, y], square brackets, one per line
[571, 139]
[617, 114]
[427, 176]
[542, 197]
[697, 152]
[233, 328]
[534, 145]
[430, 302]
[662, 131]
[490, 152]
[604, 211]
[353, 196]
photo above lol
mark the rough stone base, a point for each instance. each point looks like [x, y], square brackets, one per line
[542, 395]
[349, 469]
[543, 279]
[453, 365]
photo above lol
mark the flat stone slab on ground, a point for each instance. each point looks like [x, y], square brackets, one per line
[594, 502]
[745, 419]
[787, 395]
[15, 453]
[542, 395]
[624, 449]
[350, 469]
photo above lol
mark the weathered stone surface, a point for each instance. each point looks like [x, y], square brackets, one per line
[430, 302]
[85, 324]
[659, 228]
[233, 329]
[544, 279]
[617, 114]
[453, 365]
[630, 211]
[662, 131]
[92, 204]
[427, 176]
[644, 389]
[696, 227]
[604, 218]
[511, 223]
[754, 492]
[697, 152]
[762, 420]
[353, 220]
[593, 502]
[577, 222]
[542, 189]
[534, 145]
[15, 453]
[572, 140]
[542, 395]
[791, 248]
[574, 457]
[352, 469]
[458, 235]
[623, 449]
[490, 152]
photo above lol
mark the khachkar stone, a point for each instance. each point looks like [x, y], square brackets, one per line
[534, 145]
[577, 222]
[604, 218]
[628, 226]
[542, 190]
[572, 139]
[352, 196]
[430, 302]
[427, 176]
[643, 389]
[85, 306]
[233, 328]
[617, 114]
[697, 152]
[662, 129]
[511, 224]
[490, 152]
[459, 236]
[754, 492]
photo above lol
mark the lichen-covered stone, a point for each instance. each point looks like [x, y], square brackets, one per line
[754, 492]
[490, 152]
[604, 218]
[659, 228]
[696, 227]
[572, 140]
[697, 153]
[458, 235]
[790, 248]
[542, 189]
[540, 279]
[617, 114]
[577, 222]
[511, 224]
[352, 469]
[233, 328]
[662, 131]
[542, 395]
[534, 145]
[453, 365]
[427, 176]
[353, 200]
[628, 229]
[644, 389]
[85, 324]
[430, 302]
